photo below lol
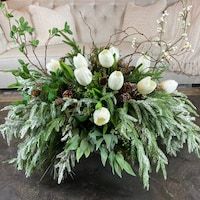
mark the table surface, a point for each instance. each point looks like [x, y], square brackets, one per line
[93, 182]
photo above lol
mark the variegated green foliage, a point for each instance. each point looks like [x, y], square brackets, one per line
[58, 136]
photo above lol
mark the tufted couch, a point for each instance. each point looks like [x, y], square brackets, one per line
[105, 17]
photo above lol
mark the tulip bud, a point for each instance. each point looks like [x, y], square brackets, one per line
[53, 66]
[116, 80]
[83, 75]
[145, 61]
[115, 52]
[106, 58]
[80, 61]
[101, 116]
[169, 86]
[146, 86]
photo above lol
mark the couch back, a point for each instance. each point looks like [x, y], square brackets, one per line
[104, 17]
[103, 20]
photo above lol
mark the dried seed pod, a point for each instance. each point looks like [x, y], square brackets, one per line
[35, 93]
[128, 88]
[103, 80]
[124, 97]
[67, 94]
[39, 84]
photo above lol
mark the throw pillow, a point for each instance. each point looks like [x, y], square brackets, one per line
[144, 19]
[17, 14]
[45, 19]
[3, 42]
[45, 3]
[18, 4]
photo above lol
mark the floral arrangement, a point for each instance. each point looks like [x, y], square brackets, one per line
[100, 103]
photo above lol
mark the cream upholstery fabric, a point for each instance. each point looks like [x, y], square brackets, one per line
[45, 3]
[149, 2]
[190, 62]
[3, 42]
[143, 18]
[45, 19]
[104, 18]
[5, 24]
[18, 4]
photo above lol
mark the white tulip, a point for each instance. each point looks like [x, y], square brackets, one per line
[101, 116]
[116, 80]
[115, 52]
[145, 61]
[80, 61]
[83, 75]
[146, 85]
[169, 86]
[106, 58]
[53, 66]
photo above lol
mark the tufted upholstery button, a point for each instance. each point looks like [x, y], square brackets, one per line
[98, 16]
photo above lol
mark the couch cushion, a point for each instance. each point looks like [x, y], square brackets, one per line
[9, 59]
[18, 4]
[143, 18]
[3, 41]
[103, 17]
[45, 19]
[45, 3]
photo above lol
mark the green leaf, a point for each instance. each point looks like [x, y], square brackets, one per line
[104, 155]
[68, 71]
[98, 105]
[124, 165]
[79, 154]
[34, 43]
[73, 143]
[127, 167]
[21, 20]
[108, 140]
[118, 169]
[81, 150]
[67, 29]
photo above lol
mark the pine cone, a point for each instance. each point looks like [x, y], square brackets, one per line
[35, 93]
[125, 67]
[124, 97]
[103, 81]
[59, 101]
[67, 94]
[129, 88]
[39, 84]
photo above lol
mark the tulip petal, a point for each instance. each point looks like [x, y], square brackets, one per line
[116, 80]
[146, 86]
[106, 58]
[80, 61]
